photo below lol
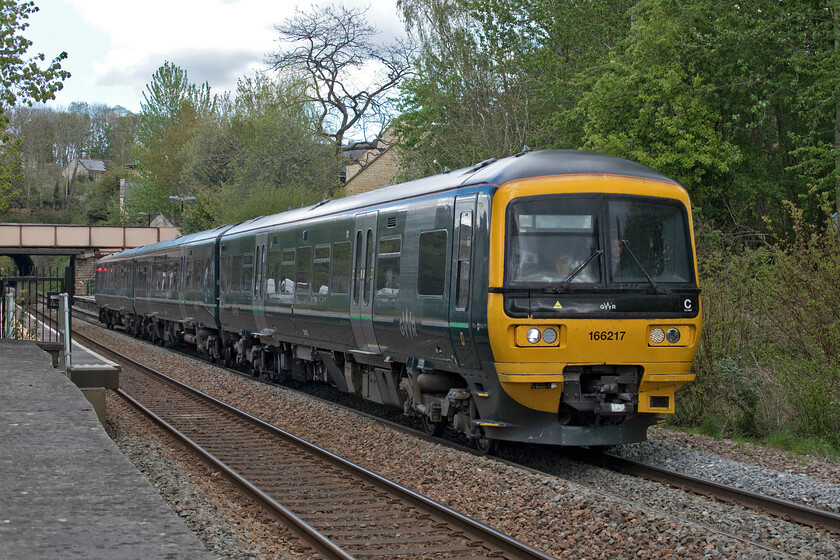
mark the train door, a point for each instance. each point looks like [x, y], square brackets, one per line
[361, 290]
[182, 281]
[258, 287]
[460, 311]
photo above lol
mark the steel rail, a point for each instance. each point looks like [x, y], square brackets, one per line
[776, 507]
[301, 528]
[509, 547]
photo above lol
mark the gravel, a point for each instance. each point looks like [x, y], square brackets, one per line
[576, 511]
[778, 482]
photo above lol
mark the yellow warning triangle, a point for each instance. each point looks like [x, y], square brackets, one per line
[558, 306]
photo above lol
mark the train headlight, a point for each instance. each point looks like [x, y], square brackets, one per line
[657, 335]
[673, 335]
[549, 336]
[533, 336]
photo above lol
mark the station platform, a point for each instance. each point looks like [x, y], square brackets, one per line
[66, 491]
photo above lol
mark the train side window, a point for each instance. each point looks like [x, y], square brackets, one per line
[287, 272]
[358, 271]
[198, 274]
[368, 267]
[341, 268]
[462, 286]
[272, 284]
[258, 272]
[304, 269]
[247, 273]
[321, 276]
[431, 276]
[235, 274]
[388, 267]
[192, 277]
[175, 274]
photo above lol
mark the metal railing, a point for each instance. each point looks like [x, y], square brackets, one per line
[29, 305]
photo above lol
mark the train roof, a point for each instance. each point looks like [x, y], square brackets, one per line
[188, 239]
[490, 172]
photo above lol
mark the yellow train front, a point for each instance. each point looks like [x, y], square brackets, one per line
[593, 310]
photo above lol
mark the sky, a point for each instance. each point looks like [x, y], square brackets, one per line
[114, 46]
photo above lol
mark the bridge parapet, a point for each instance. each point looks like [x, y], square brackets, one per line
[61, 238]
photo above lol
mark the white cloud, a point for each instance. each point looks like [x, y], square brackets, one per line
[116, 45]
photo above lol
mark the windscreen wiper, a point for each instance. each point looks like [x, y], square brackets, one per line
[560, 288]
[655, 286]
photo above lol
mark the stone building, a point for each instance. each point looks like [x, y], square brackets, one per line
[372, 165]
[84, 168]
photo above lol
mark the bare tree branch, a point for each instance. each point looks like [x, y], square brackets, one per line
[350, 75]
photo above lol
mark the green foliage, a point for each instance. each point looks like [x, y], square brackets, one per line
[264, 200]
[22, 80]
[651, 105]
[769, 358]
[799, 445]
[739, 102]
[101, 198]
[257, 155]
[466, 101]
[172, 108]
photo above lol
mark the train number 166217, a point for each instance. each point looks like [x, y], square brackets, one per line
[607, 335]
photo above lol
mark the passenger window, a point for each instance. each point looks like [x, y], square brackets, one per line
[247, 277]
[432, 263]
[388, 267]
[321, 276]
[258, 272]
[236, 273]
[304, 269]
[287, 272]
[275, 259]
[462, 287]
[358, 271]
[368, 267]
[341, 268]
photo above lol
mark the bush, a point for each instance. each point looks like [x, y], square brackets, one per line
[769, 357]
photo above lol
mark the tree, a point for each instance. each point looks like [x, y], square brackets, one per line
[258, 154]
[332, 46]
[468, 100]
[22, 80]
[494, 75]
[171, 109]
[652, 105]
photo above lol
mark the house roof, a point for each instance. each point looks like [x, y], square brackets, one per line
[355, 150]
[96, 165]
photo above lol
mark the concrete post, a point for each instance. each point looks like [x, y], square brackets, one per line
[64, 329]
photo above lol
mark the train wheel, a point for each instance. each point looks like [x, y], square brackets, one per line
[483, 445]
[227, 360]
[433, 429]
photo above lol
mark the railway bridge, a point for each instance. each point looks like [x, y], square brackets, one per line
[83, 244]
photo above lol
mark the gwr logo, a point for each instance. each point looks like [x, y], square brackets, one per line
[408, 328]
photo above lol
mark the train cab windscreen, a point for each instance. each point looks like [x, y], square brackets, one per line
[598, 240]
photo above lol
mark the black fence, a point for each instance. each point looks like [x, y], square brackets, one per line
[33, 304]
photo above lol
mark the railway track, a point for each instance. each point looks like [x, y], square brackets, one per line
[784, 509]
[338, 508]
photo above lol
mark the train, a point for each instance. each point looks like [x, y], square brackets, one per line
[549, 297]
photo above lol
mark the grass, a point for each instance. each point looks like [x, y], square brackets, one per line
[797, 446]
[801, 446]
